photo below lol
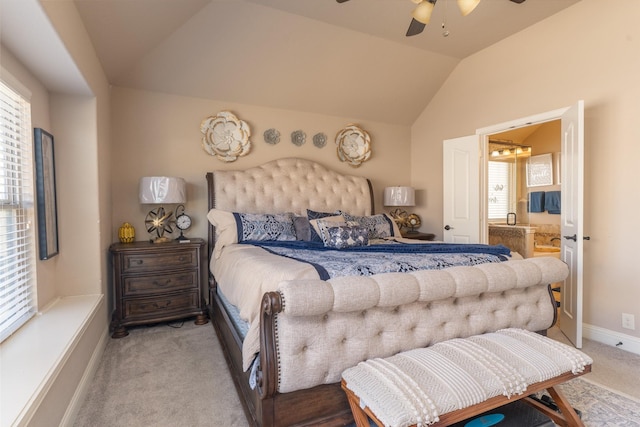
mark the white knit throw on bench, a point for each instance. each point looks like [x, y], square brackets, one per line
[416, 386]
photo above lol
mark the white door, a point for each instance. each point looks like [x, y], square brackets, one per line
[571, 219]
[461, 191]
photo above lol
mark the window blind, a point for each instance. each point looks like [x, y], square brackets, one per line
[17, 257]
[498, 181]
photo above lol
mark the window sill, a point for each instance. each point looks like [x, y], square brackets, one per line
[31, 358]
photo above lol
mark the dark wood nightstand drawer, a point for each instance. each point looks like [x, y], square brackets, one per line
[159, 307]
[160, 283]
[155, 283]
[164, 260]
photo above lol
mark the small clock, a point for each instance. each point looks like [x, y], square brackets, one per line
[183, 222]
[413, 221]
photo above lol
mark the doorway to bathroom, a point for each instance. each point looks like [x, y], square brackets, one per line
[465, 200]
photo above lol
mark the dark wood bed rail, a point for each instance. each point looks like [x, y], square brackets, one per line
[271, 305]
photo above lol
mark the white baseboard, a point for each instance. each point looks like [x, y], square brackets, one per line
[80, 394]
[612, 338]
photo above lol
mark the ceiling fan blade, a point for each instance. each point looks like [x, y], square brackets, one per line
[415, 27]
[342, 1]
[518, 1]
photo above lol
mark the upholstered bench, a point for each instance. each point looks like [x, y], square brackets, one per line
[457, 379]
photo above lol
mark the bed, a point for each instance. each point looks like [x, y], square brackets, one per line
[301, 326]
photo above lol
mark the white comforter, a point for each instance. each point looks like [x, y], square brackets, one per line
[244, 273]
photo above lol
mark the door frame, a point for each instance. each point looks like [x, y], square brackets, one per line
[483, 135]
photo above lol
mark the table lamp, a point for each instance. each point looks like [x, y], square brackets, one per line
[399, 197]
[160, 190]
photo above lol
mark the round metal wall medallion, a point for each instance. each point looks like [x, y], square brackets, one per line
[298, 137]
[320, 140]
[271, 136]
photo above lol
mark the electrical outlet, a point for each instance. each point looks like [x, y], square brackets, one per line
[628, 321]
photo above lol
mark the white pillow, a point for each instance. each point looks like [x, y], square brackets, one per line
[226, 229]
[321, 224]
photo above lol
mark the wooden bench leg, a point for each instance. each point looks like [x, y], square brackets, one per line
[567, 416]
[359, 415]
[573, 420]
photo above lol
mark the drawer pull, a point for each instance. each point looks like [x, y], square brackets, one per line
[162, 284]
[165, 305]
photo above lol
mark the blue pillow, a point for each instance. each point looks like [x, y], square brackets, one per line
[264, 226]
[314, 236]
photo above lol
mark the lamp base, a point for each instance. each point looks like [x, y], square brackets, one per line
[162, 240]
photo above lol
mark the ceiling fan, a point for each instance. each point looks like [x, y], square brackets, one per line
[422, 13]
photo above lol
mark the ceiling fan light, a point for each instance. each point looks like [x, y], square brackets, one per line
[467, 6]
[422, 12]
[416, 1]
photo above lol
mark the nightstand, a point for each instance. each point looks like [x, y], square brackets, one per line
[157, 282]
[418, 235]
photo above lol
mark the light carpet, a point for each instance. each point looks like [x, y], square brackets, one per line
[168, 376]
[600, 406]
[163, 376]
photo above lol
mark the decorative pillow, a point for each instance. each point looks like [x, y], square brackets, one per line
[312, 215]
[320, 226]
[303, 228]
[380, 226]
[264, 226]
[226, 229]
[345, 237]
[229, 227]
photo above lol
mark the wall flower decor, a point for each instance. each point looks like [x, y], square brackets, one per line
[225, 136]
[298, 137]
[354, 145]
[271, 136]
[320, 140]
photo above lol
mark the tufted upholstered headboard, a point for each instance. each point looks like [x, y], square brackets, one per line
[287, 185]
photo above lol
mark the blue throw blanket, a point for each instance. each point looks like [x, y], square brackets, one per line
[384, 258]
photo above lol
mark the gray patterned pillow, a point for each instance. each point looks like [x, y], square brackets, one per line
[345, 237]
[314, 215]
[379, 226]
[265, 226]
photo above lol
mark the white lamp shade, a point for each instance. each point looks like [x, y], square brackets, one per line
[467, 6]
[422, 12]
[399, 196]
[162, 189]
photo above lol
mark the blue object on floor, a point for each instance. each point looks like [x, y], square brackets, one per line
[536, 201]
[552, 202]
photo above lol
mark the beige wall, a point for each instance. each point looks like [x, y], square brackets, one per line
[80, 125]
[158, 134]
[587, 52]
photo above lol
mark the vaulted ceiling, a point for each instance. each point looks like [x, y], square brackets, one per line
[350, 59]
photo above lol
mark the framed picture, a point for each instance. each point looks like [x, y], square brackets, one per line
[46, 194]
[540, 170]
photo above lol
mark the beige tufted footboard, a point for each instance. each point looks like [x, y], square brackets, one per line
[313, 330]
